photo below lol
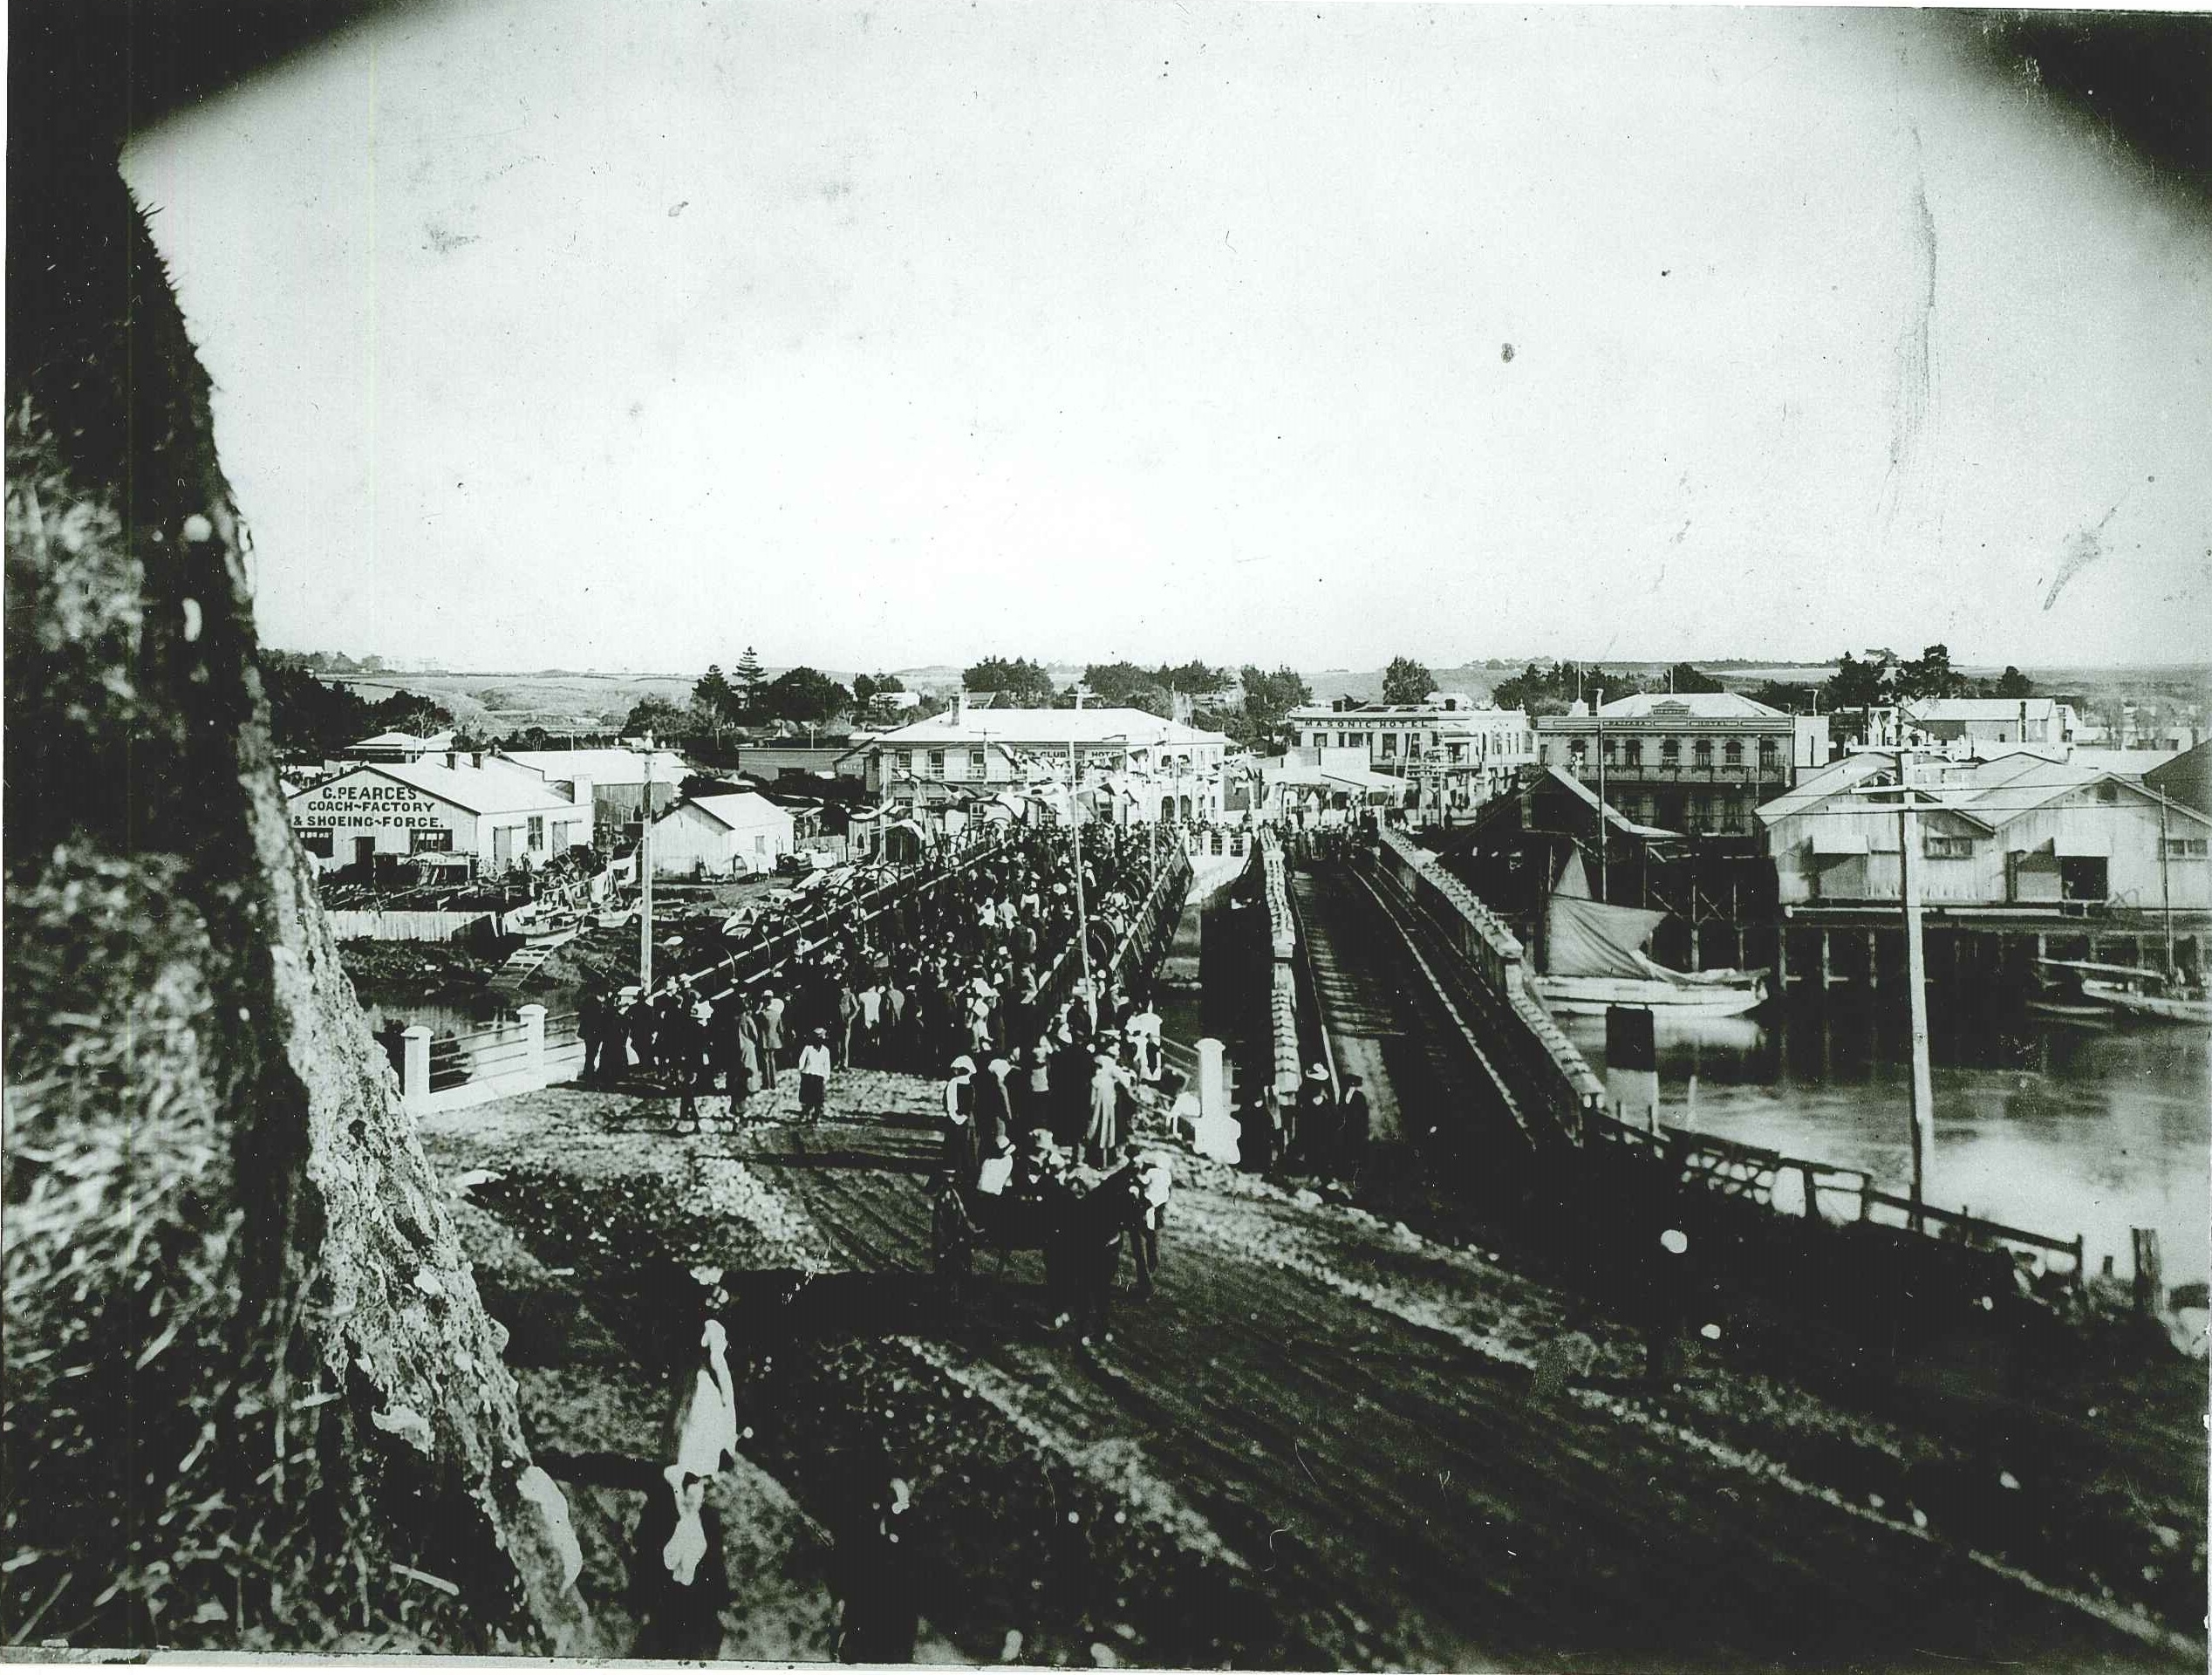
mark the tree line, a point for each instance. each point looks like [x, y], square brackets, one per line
[311, 718]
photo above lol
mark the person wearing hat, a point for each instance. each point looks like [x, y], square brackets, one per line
[814, 1076]
[1103, 1133]
[1355, 1128]
[993, 1175]
[957, 1122]
[771, 1039]
[1156, 1175]
[1313, 1138]
[993, 1103]
[592, 1019]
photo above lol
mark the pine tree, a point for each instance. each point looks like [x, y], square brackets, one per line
[748, 679]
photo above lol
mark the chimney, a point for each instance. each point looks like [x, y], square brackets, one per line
[959, 707]
[476, 758]
[453, 758]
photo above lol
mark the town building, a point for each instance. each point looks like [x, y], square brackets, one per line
[1692, 763]
[1306, 787]
[1992, 721]
[2186, 778]
[735, 834]
[399, 747]
[618, 778]
[1135, 766]
[460, 804]
[2020, 831]
[1454, 754]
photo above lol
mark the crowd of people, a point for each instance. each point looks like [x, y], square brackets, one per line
[963, 969]
[1315, 1132]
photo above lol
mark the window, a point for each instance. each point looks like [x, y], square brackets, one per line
[537, 831]
[937, 763]
[1769, 753]
[976, 769]
[320, 842]
[1670, 751]
[2188, 849]
[1633, 750]
[1703, 752]
[1942, 846]
[1732, 812]
[1732, 753]
[1610, 750]
[428, 840]
[1390, 745]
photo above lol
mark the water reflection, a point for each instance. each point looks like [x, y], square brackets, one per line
[468, 1037]
[2051, 1128]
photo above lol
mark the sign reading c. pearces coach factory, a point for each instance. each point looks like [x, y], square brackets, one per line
[364, 806]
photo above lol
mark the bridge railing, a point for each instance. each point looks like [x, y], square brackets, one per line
[1545, 1072]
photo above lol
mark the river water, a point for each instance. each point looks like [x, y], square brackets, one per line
[2052, 1129]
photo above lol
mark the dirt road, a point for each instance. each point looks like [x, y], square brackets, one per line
[1339, 1418]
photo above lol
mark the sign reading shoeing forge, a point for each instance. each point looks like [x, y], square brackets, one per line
[366, 805]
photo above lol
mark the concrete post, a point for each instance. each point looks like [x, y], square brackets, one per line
[414, 1063]
[533, 1017]
[1213, 1080]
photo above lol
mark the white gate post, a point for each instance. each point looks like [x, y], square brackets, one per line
[533, 1017]
[414, 1064]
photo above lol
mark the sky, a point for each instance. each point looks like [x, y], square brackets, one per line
[564, 334]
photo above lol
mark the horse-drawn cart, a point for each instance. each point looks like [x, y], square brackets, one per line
[1076, 1218]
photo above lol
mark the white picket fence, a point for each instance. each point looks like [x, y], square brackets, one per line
[394, 924]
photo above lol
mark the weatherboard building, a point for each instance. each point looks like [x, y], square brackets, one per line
[496, 813]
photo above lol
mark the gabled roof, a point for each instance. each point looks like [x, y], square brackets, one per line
[1979, 709]
[1043, 728]
[739, 811]
[1818, 787]
[1612, 816]
[493, 788]
[1991, 793]
[396, 741]
[1702, 706]
[607, 766]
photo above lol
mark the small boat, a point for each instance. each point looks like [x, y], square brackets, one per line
[2139, 991]
[1595, 958]
[2062, 996]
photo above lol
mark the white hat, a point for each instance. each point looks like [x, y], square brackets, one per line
[964, 1063]
[1317, 1073]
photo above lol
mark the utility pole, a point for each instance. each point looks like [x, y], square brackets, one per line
[2166, 889]
[1916, 981]
[1075, 846]
[645, 892]
[1597, 743]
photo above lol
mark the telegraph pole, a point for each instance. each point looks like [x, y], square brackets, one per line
[2165, 890]
[1076, 844]
[645, 891]
[1915, 981]
[1597, 743]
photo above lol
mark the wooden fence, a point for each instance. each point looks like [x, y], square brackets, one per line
[400, 924]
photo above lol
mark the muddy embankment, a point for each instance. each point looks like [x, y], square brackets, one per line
[1003, 1540]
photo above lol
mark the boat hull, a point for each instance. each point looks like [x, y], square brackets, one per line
[2082, 1015]
[1578, 996]
[2162, 1009]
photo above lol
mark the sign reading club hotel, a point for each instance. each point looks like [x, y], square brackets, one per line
[498, 811]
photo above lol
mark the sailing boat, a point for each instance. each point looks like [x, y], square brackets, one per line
[1594, 957]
